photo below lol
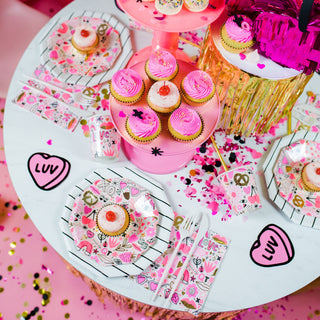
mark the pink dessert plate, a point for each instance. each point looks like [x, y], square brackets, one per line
[69, 65]
[141, 243]
[164, 154]
[287, 171]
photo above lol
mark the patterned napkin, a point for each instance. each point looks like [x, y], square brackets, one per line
[198, 277]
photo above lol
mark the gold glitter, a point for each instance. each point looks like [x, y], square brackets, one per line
[26, 216]
[24, 313]
[67, 315]
[11, 252]
[46, 279]
[26, 304]
[42, 291]
[18, 315]
[10, 268]
[39, 318]
[44, 249]
[83, 122]
[65, 302]
[22, 240]
[23, 285]
[13, 244]
[1, 290]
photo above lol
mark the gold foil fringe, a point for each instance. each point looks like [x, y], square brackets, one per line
[250, 104]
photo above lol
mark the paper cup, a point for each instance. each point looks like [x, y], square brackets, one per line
[241, 189]
[105, 140]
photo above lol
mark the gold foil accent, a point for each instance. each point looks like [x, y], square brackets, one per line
[250, 104]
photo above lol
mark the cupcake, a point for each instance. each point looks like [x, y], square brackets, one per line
[127, 87]
[164, 96]
[196, 5]
[161, 65]
[237, 34]
[185, 124]
[143, 125]
[85, 39]
[113, 220]
[169, 7]
[197, 87]
[310, 176]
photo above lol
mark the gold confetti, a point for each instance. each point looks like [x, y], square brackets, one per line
[26, 304]
[22, 240]
[39, 318]
[46, 279]
[24, 313]
[11, 252]
[23, 285]
[1, 290]
[16, 229]
[26, 216]
[18, 315]
[10, 268]
[65, 302]
[13, 244]
[44, 249]
[67, 315]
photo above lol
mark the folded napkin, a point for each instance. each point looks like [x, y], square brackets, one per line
[198, 277]
[47, 108]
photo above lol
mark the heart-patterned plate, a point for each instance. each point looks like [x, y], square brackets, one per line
[129, 245]
[287, 171]
[146, 238]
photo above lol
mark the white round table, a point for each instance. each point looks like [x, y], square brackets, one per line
[239, 284]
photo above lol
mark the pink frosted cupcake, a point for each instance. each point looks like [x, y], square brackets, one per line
[161, 65]
[197, 87]
[185, 124]
[143, 125]
[127, 86]
[237, 34]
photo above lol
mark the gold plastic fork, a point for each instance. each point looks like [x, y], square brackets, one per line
[186, 230]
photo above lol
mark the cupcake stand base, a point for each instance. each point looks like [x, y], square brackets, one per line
[164, 154]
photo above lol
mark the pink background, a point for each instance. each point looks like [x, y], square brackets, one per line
[34, 277]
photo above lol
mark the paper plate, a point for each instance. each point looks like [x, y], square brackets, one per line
[135, 240]
[287, 172]
[293, 213]
[142, 243]
[67, 64]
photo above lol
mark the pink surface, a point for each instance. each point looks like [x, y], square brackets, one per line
[26, 260]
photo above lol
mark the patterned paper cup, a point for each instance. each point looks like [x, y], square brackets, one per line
[240, 187]
[105, 140]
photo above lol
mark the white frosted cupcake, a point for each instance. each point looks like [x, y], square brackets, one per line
[85, 39]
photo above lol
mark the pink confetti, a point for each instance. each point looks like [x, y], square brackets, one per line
[49, 142]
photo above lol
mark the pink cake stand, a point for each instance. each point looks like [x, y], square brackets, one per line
[166, 28]
[164, 154]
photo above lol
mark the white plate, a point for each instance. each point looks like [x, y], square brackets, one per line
[89, 79]
[165, 222]
[292, 213]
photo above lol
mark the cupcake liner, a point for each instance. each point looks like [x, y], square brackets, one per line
[168, 112]
[193, 102]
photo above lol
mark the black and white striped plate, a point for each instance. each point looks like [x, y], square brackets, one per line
[87, 81]
[165, 224]
[292, 213]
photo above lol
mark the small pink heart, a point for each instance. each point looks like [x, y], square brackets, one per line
[118, 199]
[49, 142]
[261, 65]
[247, 189]
[153, 286]
[242, 56]
[91, 223]
[122, 114]
[123, 184]
[53, 54]
[134, 191]
[141, 279]
[87, 209]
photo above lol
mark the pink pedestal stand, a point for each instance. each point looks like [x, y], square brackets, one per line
[166, 28]
[164, 154]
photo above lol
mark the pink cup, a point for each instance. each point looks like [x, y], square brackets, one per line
[241, 189]
[105, 140]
